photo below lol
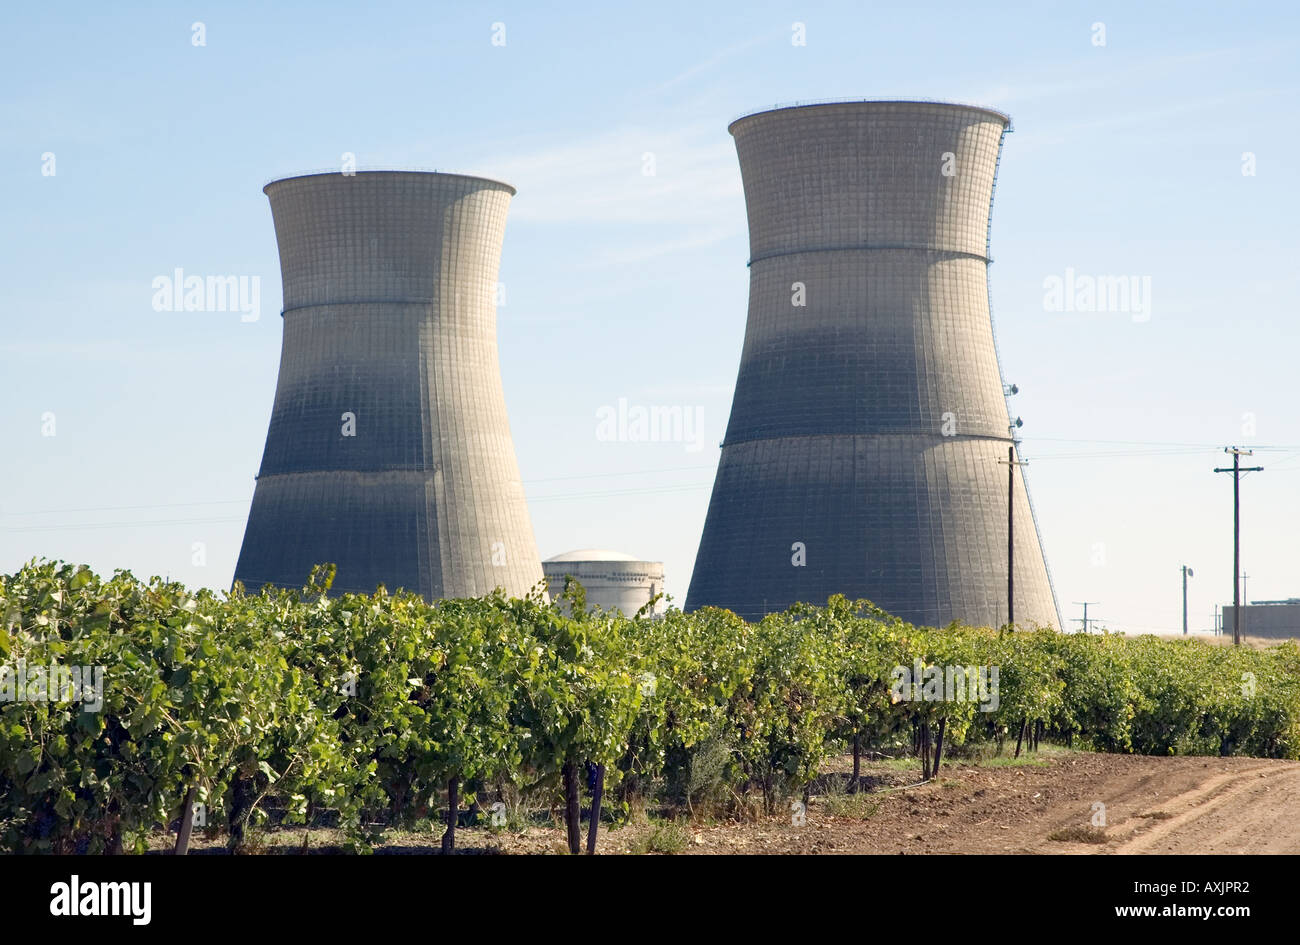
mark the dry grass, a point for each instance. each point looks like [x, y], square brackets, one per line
[854, 806]
[1079, 834]
[665, 836]
[1254, 643]
[1225, 639]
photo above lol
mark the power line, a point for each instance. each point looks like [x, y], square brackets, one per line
[178, 505]
[1162, 449]
[90, 526]
[1107, 454]
[1282, 462]
[131, 508]
[1151, 449]
[631, 472]
[87, 526]
[649, 490]
[1213, 446]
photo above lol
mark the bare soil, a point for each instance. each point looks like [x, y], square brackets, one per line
[1152, 805]
[1043, 804]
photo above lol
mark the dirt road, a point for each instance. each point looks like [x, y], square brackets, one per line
[1151, 805]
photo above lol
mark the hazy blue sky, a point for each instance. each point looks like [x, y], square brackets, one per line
[1126, 159]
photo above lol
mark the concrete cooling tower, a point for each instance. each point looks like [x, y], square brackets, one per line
[869, 418]
[389, 451]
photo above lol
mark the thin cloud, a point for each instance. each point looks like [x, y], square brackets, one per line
[1082, 75]
[644, 253]
[1059, 133]
[628, 175]
[722, 54]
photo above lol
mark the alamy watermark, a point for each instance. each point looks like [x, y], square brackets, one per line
[935, 683]
[53, 683]
[635, 423]
[1083, 293]
[78, 898]
[181, 293]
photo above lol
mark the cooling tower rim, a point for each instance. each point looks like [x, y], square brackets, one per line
[409, 171]
[1003, 118]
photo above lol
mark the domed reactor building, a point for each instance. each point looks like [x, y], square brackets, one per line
[867, 447]
[612, 580]
[389, 451]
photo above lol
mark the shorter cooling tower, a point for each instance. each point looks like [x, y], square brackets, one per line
[389, 450]
[612, 580]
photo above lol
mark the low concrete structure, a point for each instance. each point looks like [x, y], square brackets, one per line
[612, 580]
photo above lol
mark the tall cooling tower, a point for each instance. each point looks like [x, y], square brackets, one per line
[862, 454]
[389, 451]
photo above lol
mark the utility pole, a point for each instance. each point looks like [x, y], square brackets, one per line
[1084, 619]
[1236, 471]
[1187, 572]
[1245, 600]
[1012, 463]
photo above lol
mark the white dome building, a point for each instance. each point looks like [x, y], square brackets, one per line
[612, 580]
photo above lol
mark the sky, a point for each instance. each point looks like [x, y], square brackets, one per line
[1157, 141]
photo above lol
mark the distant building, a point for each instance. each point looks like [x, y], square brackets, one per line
[1271, 619]
[612, 580]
